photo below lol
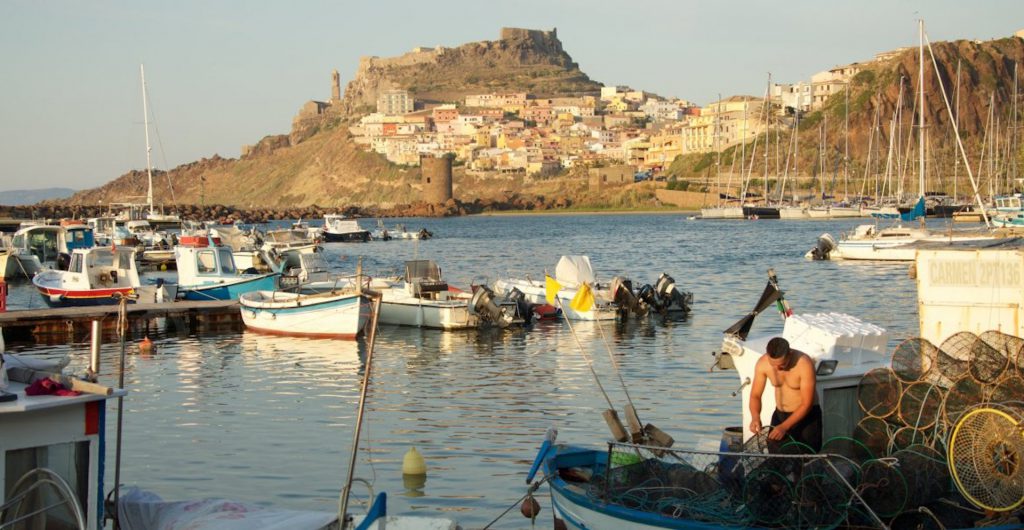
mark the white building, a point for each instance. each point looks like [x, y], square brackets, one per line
[393, 102]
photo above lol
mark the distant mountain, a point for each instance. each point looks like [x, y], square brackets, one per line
[25, 197]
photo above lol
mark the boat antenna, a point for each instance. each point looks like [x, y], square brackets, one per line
[343, 506]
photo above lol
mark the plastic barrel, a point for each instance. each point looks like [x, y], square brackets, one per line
[730, 473]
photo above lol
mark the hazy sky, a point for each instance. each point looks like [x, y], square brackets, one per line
[224, 74]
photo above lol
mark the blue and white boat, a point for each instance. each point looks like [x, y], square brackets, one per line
[338, 315]
[209, 273]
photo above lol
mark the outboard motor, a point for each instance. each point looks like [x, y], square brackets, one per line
[483, 304]
[426, 234]
[646, 295]
[669, 297]
[524, 308]
[826, 244]
[625, 300]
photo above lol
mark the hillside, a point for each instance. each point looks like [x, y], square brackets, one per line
[316, 163]
[986, 71]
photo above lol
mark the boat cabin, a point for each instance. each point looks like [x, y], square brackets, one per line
[201, 265]
[1008, 204]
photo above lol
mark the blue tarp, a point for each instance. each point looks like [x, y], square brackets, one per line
[918, 211]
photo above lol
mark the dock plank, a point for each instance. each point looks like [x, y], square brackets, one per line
[150, 310]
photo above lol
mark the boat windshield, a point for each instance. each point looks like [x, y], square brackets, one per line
[227, 261]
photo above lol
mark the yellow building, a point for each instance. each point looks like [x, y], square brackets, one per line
[723, 124]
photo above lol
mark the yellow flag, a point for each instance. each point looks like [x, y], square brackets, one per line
[584, 299]
[551, 288]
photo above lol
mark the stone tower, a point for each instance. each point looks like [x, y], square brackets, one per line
[335, 87]
[436, 178]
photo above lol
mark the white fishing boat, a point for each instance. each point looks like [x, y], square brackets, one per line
[341, 314]
[338, 228]
[245, 247]
[399, 231]
[99, 276]
[425, 300]
[571, 273]
[38, 247]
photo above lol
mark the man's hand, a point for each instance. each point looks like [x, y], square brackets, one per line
[755, 425]
[777, 433]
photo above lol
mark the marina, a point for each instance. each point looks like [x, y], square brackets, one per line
[214, 413]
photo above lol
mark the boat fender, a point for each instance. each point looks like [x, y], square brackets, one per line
[549, 439]
[530, 508]
[56, 298]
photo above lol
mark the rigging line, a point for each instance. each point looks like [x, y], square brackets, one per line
[583, 352]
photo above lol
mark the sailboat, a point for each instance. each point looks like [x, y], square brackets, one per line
[896, 243]
[156, 218]
[723, 210]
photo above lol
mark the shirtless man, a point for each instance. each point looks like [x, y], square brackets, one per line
[797, 413]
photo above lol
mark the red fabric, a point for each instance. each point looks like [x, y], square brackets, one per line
[48, 387]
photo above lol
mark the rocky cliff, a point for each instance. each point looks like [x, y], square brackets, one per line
[317, 163]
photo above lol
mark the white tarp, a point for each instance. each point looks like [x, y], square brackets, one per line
[138, 509]
[573, 271]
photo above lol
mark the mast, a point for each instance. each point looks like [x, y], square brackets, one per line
[145, 120]
[743, 155]
[846, 148]
[920, 84]
[767, 96]
[956, 128]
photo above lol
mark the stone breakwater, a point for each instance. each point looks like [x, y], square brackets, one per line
[230, 214]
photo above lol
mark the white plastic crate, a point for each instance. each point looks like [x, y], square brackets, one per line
[835, 336]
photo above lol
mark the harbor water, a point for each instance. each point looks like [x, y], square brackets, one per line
[269, 419]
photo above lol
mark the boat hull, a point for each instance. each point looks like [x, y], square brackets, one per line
[446, 315]
[761, 212]
[535, 293]
[85, 297]
[726, 212]
[347, 237]
[228, 289]
[333, 316]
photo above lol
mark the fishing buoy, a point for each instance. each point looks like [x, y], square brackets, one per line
[530, 507]
[413, 464]
[145, 345]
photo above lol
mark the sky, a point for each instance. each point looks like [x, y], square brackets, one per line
[224, 74]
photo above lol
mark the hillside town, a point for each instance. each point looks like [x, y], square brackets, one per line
[636, 131]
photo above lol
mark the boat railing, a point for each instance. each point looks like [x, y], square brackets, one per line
[792, 487]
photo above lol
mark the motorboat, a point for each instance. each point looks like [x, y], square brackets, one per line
[399, 231]
[245, 246]
[99, 276]
[894, 243]
[38, 247]
[571, 273]
[338, 314]
[209, 273]
[338, 228]
[424, 299]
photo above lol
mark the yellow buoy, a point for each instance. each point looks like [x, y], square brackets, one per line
[163, 266]
[145, 346]
[413, 464]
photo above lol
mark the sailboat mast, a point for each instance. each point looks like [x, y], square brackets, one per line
[145, 121]
[920, 84]
[846, 146]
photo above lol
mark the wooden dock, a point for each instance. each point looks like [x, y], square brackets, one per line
[64, 323]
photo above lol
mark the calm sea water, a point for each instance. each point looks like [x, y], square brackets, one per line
[268, 419]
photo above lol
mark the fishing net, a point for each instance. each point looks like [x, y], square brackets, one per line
[878, 392]
[986, 364]
[1010, 346]
[822, 500]
[1008, 390]
[883, 487]
[986, 456]
[964, 394]
[768, 496]
[920, 404]
[873, 433]
[912, 359]
[906, 437]
[916, 520]
[951, 360]
[849, 455]
[925, 472]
